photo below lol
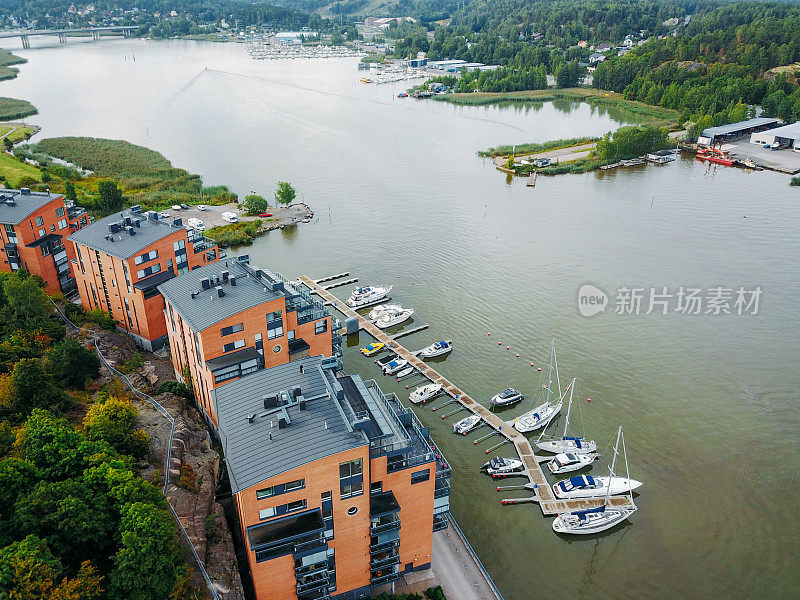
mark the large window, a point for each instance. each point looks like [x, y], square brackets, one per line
[348, 469]
[280, 488]
[152, 269]
[420, 476]
[60, 212]
[12, 235]
[274, 325]
[142, 258]
[231, 329]
[233, 346]
[351, 480]
[179, 245]
[39, 221]
[266, 513]
[321, 326]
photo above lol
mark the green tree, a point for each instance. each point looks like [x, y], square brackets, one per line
[25, 300]
[114, 421]
[69, 192]
[110, 196]
[148, 564]
[255, 204]
[33, 388]
[285, 194]
[17, 477]
[70, 364]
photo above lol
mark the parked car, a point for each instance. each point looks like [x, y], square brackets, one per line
[201, 207]
[265, 214]
[230, 217]
[176, 207]
[196, 224]
[164, 215]
[185, 206]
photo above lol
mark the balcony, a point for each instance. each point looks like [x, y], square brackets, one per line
[384, 547]
[385, 578]
[381, 527]
[300, 533]
[377, 564]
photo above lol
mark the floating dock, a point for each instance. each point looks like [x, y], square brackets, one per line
[543, 493]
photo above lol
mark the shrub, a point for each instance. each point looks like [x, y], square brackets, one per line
[176, 387]
[255, 204]
[795, 181]
[102, 318]
[71, 364]
[115, 421]
[134, 363]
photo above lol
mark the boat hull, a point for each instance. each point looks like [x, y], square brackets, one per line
[567, 446]
[386, 322]
[620, 485]
[527, 422]
[394, 368]
[467, 424]
[610, 518]
[425, 393]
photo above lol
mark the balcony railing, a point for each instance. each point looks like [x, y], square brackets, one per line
[382, 527]
[377, 564]
[384, 547]
[385, 578]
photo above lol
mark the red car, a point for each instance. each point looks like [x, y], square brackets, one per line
[265, 214]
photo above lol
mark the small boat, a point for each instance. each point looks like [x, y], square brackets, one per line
[467, 424]
[437, 349]
[425, 392]
[365, 80]
[605, 516]
[501, 466]
[395, 365]
[376, 312]
[571, 444]
[394, 317]
[586, 486]
[714, 155]
[507, 397]
[382, 362]
[373, 348]
[568, 461]
[365, 296]
[402, 95]
[405, 372]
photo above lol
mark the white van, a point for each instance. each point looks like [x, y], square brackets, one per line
[230, 217]
[196, 224]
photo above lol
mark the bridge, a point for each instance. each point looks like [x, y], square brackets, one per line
[62, 33]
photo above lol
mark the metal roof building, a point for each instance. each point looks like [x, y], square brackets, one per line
[16, 205]
[714, 135]
[787, 136]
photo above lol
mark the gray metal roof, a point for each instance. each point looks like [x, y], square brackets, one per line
[16, 206]
[788, 131]
[124, 246]
[259, 450]
[741, 126]
[207, 307]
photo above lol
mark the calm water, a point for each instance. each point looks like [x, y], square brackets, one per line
[709, 403]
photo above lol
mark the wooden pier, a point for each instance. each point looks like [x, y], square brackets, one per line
[543, 493]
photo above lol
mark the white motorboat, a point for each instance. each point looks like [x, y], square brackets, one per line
[566, 462]
[394, 365]
[437, 349]
[425, 392]
[376, 312]
[540, 416]
[385, 360]
[405, 372]
[365, 296]
[567, 444]
[586, 486]
[467, 424]
[393, 317]
[507, 397]
[502, 466]
[603, 517]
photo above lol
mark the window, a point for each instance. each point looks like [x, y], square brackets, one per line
[420, 476]
[231, 329]
[52, 228]
[294, 485]
[321, 326]
[327, 496]
[266, 492]
[179, 245]
[39, 221]
[153, 254]
[45, 249]
[62, 224]
[266, 513]
[12, 235]
[274, 325]
[60, 212]
[296, 505]
[376, 487]
[353, 489]
[42, 232]
[152, 269]
[280, 488]
[290, 335]
[348, 469]
[233, 346]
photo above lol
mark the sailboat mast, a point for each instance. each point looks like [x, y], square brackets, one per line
[569, 406]
[550, 369]
[613, 464]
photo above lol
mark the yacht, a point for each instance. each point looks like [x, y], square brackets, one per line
[586, 486]
[383, 361]
[364, 296]
[542, 414]
[467, 424]
[566, 443]
[425, 392]
[605, 516]
[437, 349]
[507, 397]
[389, 318]
[376, 312]
[568, 461]
[502, 466]
[394, 365]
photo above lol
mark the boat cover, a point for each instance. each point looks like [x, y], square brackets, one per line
[575, 439]
[581, 514]
[580, 481]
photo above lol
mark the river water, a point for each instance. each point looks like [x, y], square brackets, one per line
[709, 403]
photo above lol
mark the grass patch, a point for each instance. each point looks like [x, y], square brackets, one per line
[145, 176]
[235, 234]
[6, 60]
[16, 132]
[521, 149]
[644, 113]
[795, 181]
[582, 165]
[374, 58]
[13, 171]
[11, 108]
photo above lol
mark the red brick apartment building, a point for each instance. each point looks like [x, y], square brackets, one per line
[338, 487]
[121, 259]
[229, 319]
[32, 235]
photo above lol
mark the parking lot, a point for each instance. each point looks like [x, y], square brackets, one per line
[212, 215]
[786, 160]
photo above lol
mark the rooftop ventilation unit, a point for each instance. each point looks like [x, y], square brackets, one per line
[220, 291]
[271, 401]
[296, 392]
[243, 258]
[136, 209]
[177, 222]
[194, 295]
[233, 280]
[152, 215]
[302, 403]
[277, 286]
[225, 275]
[25, 191]
[282, 423]
[259, 273]
[205, 283]
[137, 222]
[11, 202]
[128, 221]
[131, 230]
[113, 227]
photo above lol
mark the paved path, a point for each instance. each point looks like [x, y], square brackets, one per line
[558, 155]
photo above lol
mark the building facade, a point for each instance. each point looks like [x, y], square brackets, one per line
[121, 259]
[230, 319]
[338, 487]
[32, 230]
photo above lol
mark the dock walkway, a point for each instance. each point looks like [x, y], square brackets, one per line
[543, 493]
